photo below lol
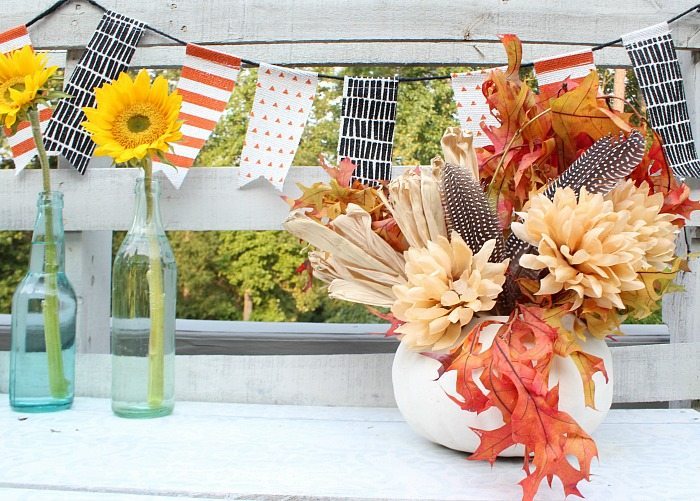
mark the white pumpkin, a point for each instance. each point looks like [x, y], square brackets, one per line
[424, 404]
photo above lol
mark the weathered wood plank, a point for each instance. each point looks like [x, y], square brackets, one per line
[208, 200]
[385, 53]
[222, 21]
[103, 199]
[650, 373]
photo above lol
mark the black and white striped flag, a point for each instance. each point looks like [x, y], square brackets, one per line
[659, 74]
[107, 54]
[367, 125]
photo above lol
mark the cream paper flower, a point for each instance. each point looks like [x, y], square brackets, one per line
[359, 265]
[657, 233]
[586, 246]
[414, 202]
[446, 285]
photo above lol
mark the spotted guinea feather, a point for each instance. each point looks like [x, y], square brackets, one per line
[468, 211]
[601, 166]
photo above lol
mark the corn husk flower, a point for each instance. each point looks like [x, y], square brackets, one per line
[23, 77]
[359, 265]
[656, 231]
[457, 148]
[447, 284]
[414, 202]
[585, 245]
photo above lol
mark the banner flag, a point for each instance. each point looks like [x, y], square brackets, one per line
[367, 124]
[657, 69]
[22, 145]
[206, 82]
[553, 72]
[281, 107]
[107, 54]
[472, 108]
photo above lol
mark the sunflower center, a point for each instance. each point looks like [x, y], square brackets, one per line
[138, 124]
[14, 83]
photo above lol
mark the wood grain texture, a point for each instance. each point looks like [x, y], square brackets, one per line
[208, 200]
[386, 53]
[649, 373]
[262, 21]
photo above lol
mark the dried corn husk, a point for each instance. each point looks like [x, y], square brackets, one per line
[414, 202]
[458, 150]
[360, 266]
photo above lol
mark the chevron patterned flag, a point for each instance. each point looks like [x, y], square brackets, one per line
[207, 80]
[281, 107]
[368, 120]
[659, 74]
[22, 145]
[472, 108]
[107, 54]
[553, 72]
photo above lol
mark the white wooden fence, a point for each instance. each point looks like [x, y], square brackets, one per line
[315, 32]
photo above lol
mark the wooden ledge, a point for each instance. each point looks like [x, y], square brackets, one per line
[236, 451]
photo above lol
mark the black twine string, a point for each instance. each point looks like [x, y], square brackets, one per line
[53, 8]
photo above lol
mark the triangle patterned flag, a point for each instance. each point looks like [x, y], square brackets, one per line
[281, 106]
[553, 72]
[472, 108]
[107, 54]
[22, 145]
[207, 80]
[659, 75]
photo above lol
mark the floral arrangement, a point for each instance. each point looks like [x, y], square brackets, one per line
[25, 84]
[566, 224]
[135, 120]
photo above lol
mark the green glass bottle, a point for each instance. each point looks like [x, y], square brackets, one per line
[144, 277]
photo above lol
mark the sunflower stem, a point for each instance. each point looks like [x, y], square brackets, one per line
[156, 344]
[58, 384]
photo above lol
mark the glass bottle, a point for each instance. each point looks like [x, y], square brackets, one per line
[144, 278]
[42, 352]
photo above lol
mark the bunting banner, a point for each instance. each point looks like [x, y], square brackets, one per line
[472, 108]
[22, 145]
[206, 82]
[659, 74]
[281, 106]
[107, 54]
[553, 72]
[14, 38]
[367, 124]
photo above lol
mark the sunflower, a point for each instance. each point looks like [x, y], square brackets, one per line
[134, 119]
[23, 73]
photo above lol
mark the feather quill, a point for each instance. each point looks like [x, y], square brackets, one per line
[468, 212]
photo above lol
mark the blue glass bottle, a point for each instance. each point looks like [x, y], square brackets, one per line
[42, 352]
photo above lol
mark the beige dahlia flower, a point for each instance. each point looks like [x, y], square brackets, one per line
[586, 246]
[446, 285]
[359, 265]
[657, 233]
[414, 202]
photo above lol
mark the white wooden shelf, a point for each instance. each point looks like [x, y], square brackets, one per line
[236, 451]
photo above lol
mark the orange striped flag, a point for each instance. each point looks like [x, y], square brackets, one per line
[21, 143]
[207, 80]
[552, 72]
